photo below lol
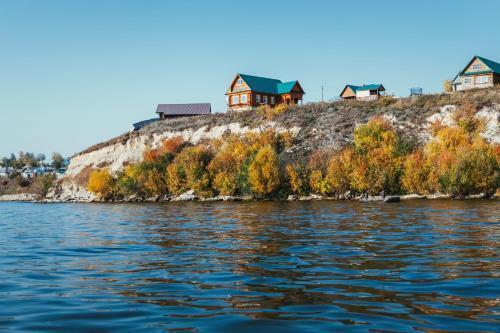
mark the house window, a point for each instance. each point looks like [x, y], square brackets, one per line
[257, 98]
[273, 100]
[264, 99]
[482, 79]
[235, 99]
[243, 98]
[467, 81]
[240, 81]
[476, 67]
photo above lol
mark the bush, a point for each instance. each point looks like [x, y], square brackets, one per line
[416, 174]
[379, 158]
[297, 178]
[263, 171]
[386, 101]
[45, 183]
[340, 170]
[188, 171]
[447, 86]
[102, 183]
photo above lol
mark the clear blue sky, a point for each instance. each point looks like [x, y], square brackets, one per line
[73, 73]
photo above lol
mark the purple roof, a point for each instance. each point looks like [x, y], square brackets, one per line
[184, 109]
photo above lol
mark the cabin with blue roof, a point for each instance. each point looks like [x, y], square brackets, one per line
[248, 92]
[366, 92]
[479, 73]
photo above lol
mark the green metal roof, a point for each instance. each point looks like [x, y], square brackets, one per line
[494, 66]
[285, 88]
[368, 87]
[266, 85]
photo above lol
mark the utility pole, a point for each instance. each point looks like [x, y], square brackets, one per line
[322, 97]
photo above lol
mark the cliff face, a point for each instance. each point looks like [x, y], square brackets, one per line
[314, 126]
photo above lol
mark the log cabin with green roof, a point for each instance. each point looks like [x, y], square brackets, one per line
[479, 73]
[248, 92]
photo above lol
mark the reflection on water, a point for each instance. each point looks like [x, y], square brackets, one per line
[430, 266]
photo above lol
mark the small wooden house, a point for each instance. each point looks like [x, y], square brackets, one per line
[479, 73]
[248, 92]
[365, 92]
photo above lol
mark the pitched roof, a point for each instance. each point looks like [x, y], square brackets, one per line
[494, 66]
[184, 109]
[267, 85]
[370, 87]
[286, 87]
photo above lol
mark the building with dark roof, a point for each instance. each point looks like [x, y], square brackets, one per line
[183, 110]
[248, 92]
[366, 92]
[479, 73]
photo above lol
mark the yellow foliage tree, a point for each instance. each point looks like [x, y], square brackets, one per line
[188, 171]
[417, 170]
[447, 86]
[379, 161]
[263, 171]
[101, 182]
[340, 169]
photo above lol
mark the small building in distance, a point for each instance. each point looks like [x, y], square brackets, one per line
[479, 73]
[166, 111]
[366, 92]
[248, 92]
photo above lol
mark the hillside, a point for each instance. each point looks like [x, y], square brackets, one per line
[314, 126]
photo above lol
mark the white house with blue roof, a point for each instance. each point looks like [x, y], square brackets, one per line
[366, 92]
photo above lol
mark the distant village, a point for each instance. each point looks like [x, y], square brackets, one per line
[247, 92]
[28, 166]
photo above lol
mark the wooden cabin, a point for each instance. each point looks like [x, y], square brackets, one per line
[248, 92]
[366, 92]
[479, 73]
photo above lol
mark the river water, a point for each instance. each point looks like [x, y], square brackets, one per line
[421, 266]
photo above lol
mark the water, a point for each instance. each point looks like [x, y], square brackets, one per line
[422, 266]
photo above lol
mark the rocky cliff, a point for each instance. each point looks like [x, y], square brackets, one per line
[314, 126]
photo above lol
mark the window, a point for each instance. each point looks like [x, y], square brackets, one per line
[476, 67]
[235, 99]
[482, 79]
[257, 98]
[264, 99]
[240, 81]
[243, 98]
[273, 100]
[467, 81]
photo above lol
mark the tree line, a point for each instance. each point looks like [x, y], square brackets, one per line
[26, 159]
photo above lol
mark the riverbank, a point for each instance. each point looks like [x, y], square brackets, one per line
[189, 197]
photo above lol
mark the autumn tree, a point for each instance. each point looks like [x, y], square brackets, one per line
[188, 171]
[447, 86]
[340, 170]
[297, 177]
[318, 167]
[102, 183]
[379, 157]
[264, 171]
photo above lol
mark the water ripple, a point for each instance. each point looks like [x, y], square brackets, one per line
[428, 266]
